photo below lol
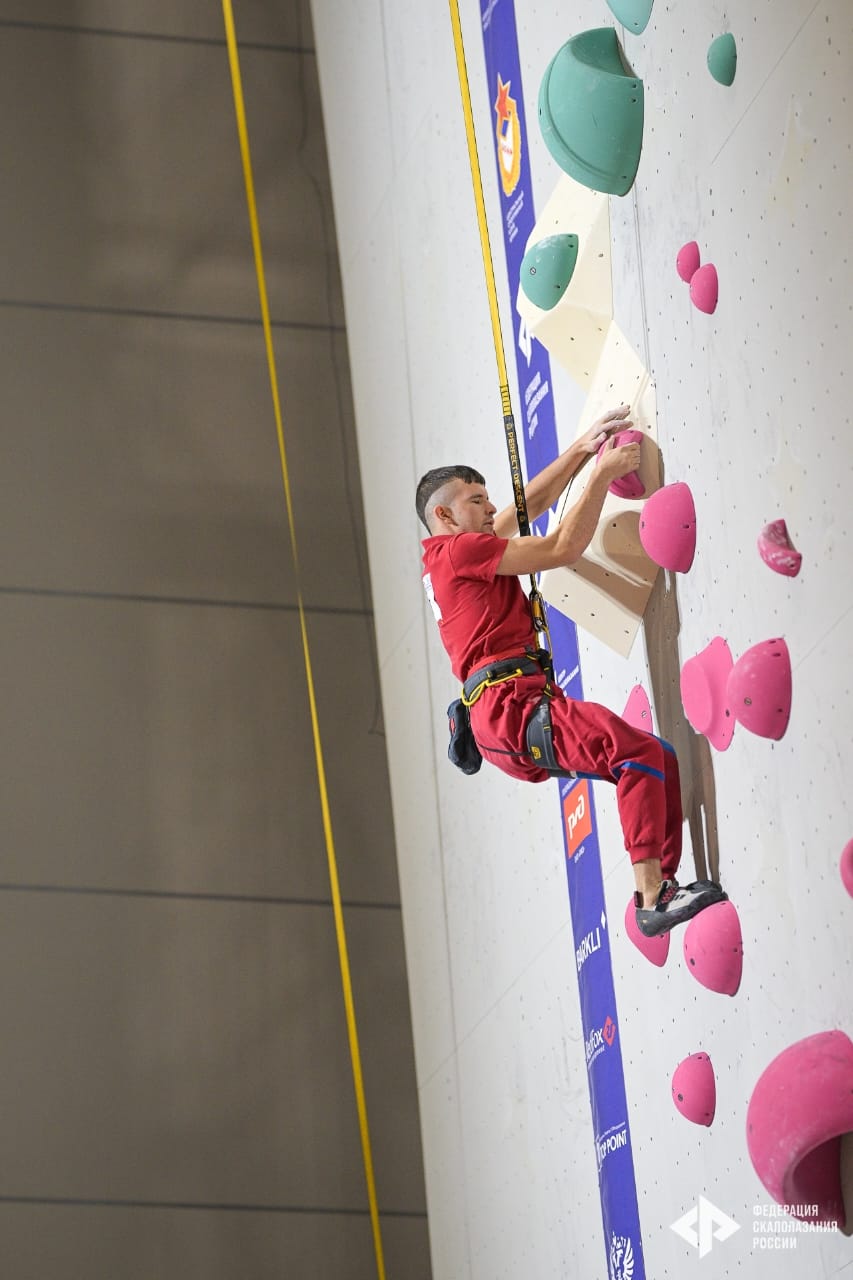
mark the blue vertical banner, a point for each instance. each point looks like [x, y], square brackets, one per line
[590, 923]
[503, 77]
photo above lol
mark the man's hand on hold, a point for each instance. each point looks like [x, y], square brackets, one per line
[614, 420]
[619, 460]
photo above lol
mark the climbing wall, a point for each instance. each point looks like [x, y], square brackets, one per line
[752, 413]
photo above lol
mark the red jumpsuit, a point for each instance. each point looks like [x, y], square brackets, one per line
[484, 616]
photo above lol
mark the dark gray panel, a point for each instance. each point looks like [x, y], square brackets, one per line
[255, 20]
[141, 456]
[54, 1243]
[123, 183]
[194, 1053]
[168, 749]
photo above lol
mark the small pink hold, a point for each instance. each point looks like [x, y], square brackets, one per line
[846, 867]
[638, 711]
[668, 527]
[630, 486]
[687, 261]
[777, 550]
[694, 1089]
[705, 288]
[654, 949]
[759, 689]
[713, 948]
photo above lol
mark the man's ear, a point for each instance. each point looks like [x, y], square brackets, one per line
[443, 515]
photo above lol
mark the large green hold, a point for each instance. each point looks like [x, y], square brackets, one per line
[633, 14]
[547, 268]
[591, 112]
[722, 59]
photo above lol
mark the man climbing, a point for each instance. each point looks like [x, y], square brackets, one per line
[521, 720]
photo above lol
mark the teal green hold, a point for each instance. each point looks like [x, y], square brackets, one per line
[547, 268]
[591, 112]
[722, 59]
[633, 14]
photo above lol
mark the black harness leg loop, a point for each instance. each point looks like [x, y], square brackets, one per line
[540, 740]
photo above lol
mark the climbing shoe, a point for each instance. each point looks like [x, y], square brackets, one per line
[675, 904]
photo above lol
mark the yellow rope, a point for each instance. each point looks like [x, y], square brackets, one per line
[537, 604]
[477, 183]
[346, 981]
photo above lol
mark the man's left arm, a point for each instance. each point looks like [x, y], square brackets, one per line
[545, 488]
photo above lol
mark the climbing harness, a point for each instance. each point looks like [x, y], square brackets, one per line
[463, 750]
[528, 664]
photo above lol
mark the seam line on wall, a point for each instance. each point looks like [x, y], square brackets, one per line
[250, 899]
[83, 1202]
[141, 313]
[160, 37]
[201, 602]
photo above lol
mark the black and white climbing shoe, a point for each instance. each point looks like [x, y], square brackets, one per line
[675, 904]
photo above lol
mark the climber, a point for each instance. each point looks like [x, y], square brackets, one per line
[520, 719]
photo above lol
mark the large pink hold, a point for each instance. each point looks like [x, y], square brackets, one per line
[713, 948]
[705, 288]
[799, 1111]
[846, 867]
[668, 527]
[777, 551]
[687, 261]
[759, 689]
[694, 1089]
[654, 949]
[630, 486]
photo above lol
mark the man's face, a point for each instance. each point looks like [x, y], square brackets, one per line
[468, 509]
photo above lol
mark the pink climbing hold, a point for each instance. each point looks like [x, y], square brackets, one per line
[654, 949]
[713, 948]
[630, 486]
[638, 711]
[668, 527]
[704, 681]
[694, 1089]
[759, 689]
[777, 550]
[846, 867]
[800, 1110]
[687, 261]
[705, 288]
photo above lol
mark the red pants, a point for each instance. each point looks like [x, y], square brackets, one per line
[591, 740]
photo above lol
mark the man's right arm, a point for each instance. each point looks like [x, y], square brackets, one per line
[567, 543]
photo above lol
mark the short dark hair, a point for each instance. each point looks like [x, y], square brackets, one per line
[437, 479]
